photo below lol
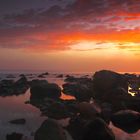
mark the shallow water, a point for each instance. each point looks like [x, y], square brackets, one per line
[14, 107]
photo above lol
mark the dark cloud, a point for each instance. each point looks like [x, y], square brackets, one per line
[13, 6]
[21, 20]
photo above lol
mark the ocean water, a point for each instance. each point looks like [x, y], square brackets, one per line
[14, 107]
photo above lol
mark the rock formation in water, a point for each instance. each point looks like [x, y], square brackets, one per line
[11, 87]
[127, 120]
[50, 130]
[43, 90]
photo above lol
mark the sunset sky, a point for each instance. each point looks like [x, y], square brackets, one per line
[70, 35]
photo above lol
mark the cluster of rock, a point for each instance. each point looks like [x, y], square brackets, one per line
[42, 89]
[11, 87]
[43, 75]
[89, 119]
[81, 88]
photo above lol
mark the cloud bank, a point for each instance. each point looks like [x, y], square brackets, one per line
[56, 25]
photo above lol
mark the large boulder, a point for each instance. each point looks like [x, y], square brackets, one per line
[82, 92]
[56, 110]
[104, 81]
[41, 91]
[88, 111]
[50, 130]
[76, 127]
[98, 130]
[127, 120]
[117, 97]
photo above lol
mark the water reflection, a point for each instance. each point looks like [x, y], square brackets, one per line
[13, 107]
[121, 135]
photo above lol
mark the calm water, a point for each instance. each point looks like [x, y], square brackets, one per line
[14, 107]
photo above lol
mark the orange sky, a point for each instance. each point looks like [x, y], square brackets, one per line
[77, 35]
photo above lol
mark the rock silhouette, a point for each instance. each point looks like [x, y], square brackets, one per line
[127, 120]
[11, 87]
[43, 90]
[50, 130]
[104, 81]
[98, 130]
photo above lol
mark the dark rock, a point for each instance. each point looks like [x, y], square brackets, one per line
[87, 110]
[104, 81]
[80, 88]
[50, 130]
[6, 87]
[67, 76]
[6, 83]
[106, 112]
[40, 91]
[14, 136]
[82, 92]
[46, 73]
[133, 104]
[18, 121]
[76, 127]
[95, 129]
[70, 104]
[130, 76]
[36, 82]
[98, 130]
[9, 87]
[42, 103]
[22, 81]
[60, 76]
[57, 110]
[41, 76]
[70, 78]
[82, 80]
[20, 86]
[118, 98]
[127, 120]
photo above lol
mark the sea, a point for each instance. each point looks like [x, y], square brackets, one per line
[14, 107]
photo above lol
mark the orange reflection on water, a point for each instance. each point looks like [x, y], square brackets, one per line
[67, 97]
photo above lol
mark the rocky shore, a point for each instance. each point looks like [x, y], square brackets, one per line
[100, 100]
